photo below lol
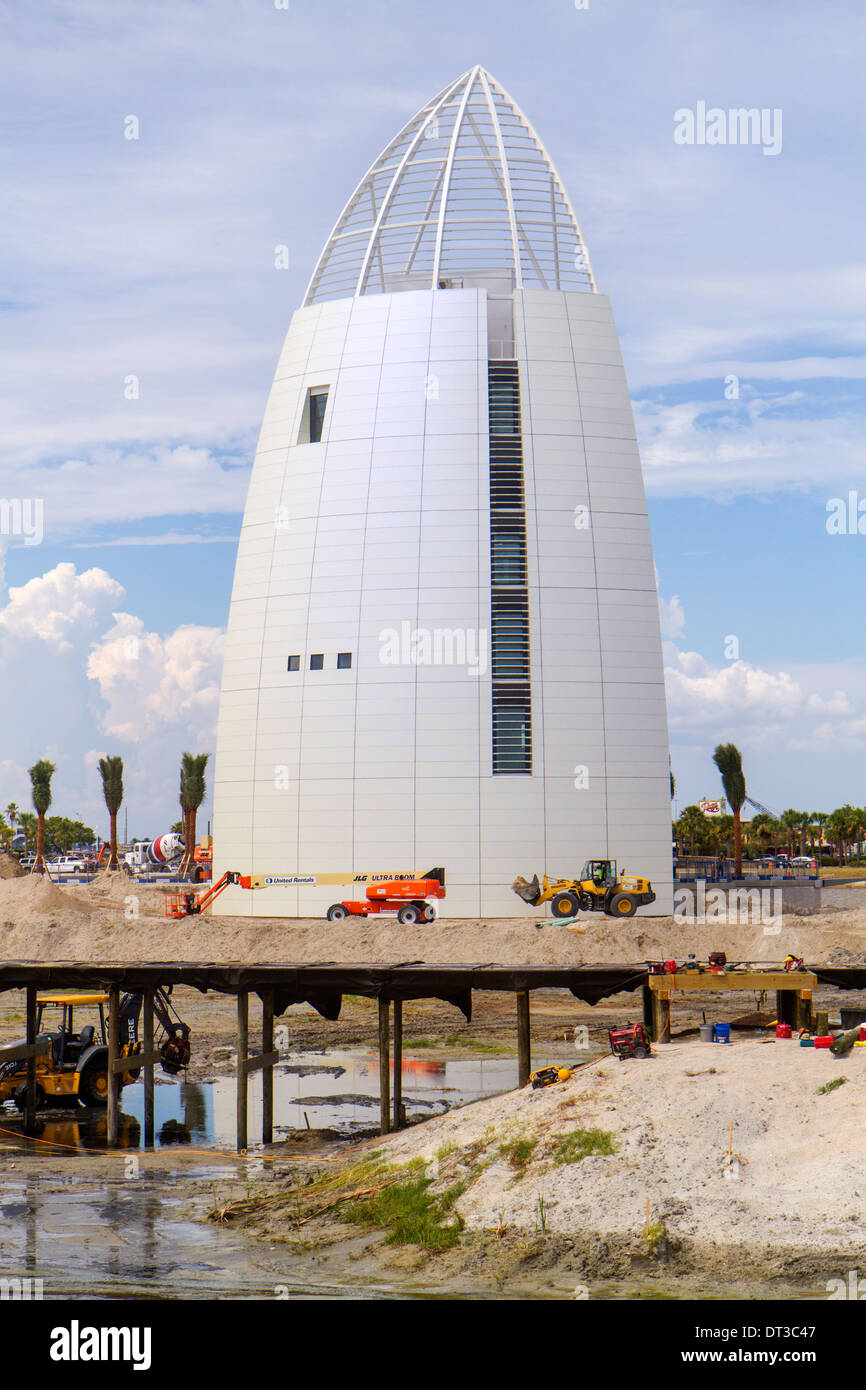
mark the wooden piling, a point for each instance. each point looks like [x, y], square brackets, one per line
[113, 1071]
[787, 1006]
[661, 1016]
[647, 1000]
[384, 1068]
[268, 1067]
[149, 1125]
[30, 1102]
[524, 1046]
[398, 1063]
[243, 1051]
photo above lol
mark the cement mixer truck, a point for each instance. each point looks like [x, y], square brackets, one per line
[159, 856]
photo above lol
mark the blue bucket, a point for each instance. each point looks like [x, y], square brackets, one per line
[722, 1033]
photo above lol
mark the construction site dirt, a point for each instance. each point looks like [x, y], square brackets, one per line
[509, 1241]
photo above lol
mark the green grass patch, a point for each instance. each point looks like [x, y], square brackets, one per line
[655, 1235]
[583, 1142]
[518, 1151]
[410, 1213]
[832, 1085]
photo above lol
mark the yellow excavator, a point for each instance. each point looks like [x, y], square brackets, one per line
[598, 889]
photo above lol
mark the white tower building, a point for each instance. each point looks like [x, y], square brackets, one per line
[443, 645]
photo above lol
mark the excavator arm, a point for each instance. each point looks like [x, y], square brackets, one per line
[172, 1043]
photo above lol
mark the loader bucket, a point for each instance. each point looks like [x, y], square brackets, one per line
[529, 891]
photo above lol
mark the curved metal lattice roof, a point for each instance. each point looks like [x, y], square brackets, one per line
[466, 191]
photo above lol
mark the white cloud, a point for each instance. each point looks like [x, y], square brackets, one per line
[148, 682]
[60, 606]
[169, 538]
[73, 668]
[724, 448]
[739, 696]
[672, 615]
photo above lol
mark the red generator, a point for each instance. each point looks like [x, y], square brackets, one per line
[631, 1040]
[405, 896]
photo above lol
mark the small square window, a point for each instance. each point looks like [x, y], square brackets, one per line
[317, 661]
[344, 661]
[313, 418]
[294, 663]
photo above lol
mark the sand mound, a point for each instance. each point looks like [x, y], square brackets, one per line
[116, 918]
[28, 901]
[10, 867]
[794, 1175]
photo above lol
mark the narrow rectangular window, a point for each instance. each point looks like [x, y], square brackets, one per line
[294, 663]
[313, 418]
[344, 661]
[317, 661]
[512, 728]
[510, 670]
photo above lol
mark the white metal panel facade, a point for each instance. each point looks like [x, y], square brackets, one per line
[364, 542]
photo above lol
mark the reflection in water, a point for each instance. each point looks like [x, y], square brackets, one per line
[338, 1091]
[194, 1106]
[173, 1132]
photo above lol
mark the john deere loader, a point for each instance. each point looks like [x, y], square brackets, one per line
[599, 889]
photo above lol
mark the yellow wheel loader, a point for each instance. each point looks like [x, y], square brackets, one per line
[598, 889]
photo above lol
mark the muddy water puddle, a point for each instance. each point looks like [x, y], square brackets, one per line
[145, 1237]
[312, 1090]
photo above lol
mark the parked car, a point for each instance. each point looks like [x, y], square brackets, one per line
[64, 867]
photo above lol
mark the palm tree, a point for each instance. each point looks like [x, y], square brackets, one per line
[729, 761]
[28, 825]
[842, 825]
[111, 770]
[792, 821]
[763, 831]
[12, 814]
[692, 827]
[725, 829]
[192, 793]
[40, 777]
[818, 819]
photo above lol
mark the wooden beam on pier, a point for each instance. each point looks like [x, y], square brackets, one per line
[384, 1067]
[113, 1070]
[268, 1069]
[524, 1044]
[661, 1020]
[149, 1094]
[398, 1064]
[243, 1050]
[30, 1102]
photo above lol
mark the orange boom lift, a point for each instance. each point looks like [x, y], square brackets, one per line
[405, 896]
[193, 904]
[408, 897]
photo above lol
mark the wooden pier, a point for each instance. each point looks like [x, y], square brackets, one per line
[323, 987]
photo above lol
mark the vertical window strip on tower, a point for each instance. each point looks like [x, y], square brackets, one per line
[509, 635]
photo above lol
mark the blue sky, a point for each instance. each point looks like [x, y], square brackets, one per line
[153, 259]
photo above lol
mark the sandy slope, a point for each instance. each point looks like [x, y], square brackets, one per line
[116, 919]
[797, 1176]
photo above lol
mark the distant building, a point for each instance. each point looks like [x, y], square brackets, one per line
[443, 645]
